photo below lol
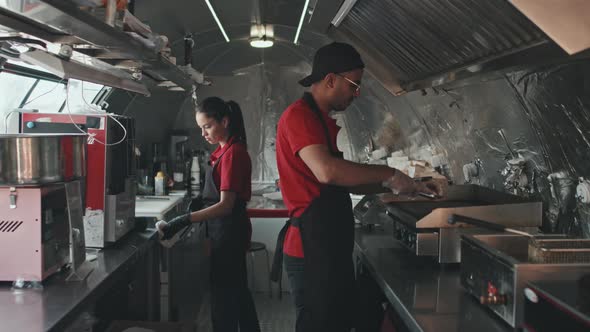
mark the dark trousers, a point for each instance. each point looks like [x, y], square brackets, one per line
[294, 266]
[232, 305]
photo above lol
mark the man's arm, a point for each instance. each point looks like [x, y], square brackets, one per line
[330, 170]
[360, 178]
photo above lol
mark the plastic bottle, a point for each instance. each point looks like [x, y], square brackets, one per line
[159, 184]
[195, 177]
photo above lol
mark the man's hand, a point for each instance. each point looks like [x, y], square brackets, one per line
[401, 184]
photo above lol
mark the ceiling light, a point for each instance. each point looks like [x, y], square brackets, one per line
[296, 40]
[217, 20]
[261, 35]
[261, 42]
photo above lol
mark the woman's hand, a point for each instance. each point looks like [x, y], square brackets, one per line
[168, 229]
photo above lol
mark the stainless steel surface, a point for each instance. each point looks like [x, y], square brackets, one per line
[427, 244]
[456, 218]
[424, 40]
[418, 222]
[153, 198]
[565, 31]
[369, 211]
[559, 250]
[558, 305]
[495, 269]
[60, 301]
[27, 159]
[89, 72]
[76, 223]
[120, 212]
[427, 296]
[35, 235]
[59, 18]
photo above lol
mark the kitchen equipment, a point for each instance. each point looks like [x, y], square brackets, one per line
[455, 218]
[559, 251]
[540, 250]
[557, 305]
[111, 183]
[370, 211]
[35, 231]
[496, 267]
[33, 159]
[422, 224]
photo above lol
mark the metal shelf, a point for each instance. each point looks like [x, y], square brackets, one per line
[63, 21]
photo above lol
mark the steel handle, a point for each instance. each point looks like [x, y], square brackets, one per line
[455, 218]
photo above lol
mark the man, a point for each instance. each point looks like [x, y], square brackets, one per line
[315, 183]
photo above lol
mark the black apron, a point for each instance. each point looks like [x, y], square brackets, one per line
[231, 302]
[327, 233]
[232, 229]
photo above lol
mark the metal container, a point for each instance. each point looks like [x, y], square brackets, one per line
[496, 268]
[31, 159]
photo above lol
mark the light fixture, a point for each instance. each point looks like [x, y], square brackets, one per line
[261, 42]
[296, 40]
[261, 35]
[217, 20]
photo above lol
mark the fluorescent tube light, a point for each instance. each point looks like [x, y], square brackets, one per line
[296, 40]
[217, 20]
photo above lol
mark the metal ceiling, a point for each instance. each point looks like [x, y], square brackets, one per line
[421, 39]
[213, 55]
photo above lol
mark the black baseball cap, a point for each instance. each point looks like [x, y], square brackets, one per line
[333, 58]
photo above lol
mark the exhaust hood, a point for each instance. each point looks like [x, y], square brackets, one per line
[566, 22]
[410, 45]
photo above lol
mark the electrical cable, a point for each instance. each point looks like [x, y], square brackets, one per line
[43, 94]
[92, 138]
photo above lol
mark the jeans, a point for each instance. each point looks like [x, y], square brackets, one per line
[294, 266]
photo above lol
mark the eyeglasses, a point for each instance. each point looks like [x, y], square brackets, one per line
[356, 86]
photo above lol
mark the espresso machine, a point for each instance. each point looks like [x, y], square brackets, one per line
[109, 203]
[41, 223]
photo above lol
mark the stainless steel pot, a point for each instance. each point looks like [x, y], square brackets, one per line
[29, 159]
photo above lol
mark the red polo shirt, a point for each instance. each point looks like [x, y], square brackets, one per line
[234, 170]
[299, 127]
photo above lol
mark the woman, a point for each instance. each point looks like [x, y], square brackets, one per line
[225, 193]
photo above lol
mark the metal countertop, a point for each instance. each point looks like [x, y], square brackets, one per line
[60, 301]
[427, 296]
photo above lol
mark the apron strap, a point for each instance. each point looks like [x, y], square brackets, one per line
[277, 261]
[308, 98]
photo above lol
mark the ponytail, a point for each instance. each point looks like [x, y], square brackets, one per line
[215, 107]
[236, 122]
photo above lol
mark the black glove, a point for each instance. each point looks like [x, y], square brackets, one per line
[175, 225]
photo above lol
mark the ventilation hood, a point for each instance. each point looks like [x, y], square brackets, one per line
[566, 22]
[411, 45]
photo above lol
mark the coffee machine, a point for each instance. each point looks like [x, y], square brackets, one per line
[111, 183]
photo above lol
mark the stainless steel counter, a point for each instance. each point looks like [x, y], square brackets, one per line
[60, 302]
[426, 296]
[261, 202]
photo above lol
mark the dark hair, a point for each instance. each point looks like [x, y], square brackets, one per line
[217, 108]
